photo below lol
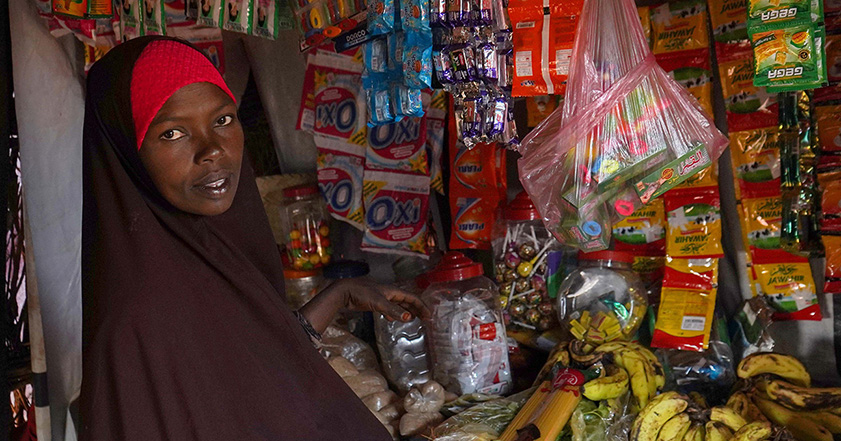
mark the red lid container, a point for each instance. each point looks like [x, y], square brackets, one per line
[298, 191]
[616, 256]
[521, 208]
[454, 266]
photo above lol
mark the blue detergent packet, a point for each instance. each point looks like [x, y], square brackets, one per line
[381, 17]
[417, 60]
[414, 15]
[376, 55]
[406, 101]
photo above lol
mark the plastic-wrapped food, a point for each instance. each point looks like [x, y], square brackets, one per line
[750, 328]
[337, 341]
[343, 367]
[390, 413]
[426, 398]
[366, 383]
[627, 133]
[483, 422]
[379, 400]
[414, 423]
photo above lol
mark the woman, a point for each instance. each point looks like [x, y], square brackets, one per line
[186, 332]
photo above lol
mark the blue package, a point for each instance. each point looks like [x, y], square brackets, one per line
[414, 15]
[381, 17]
[395, 53]
[407, 101]
[417, 60]
[376, 55]
[380, 109]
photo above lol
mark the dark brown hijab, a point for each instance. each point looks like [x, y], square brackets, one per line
[186, 332]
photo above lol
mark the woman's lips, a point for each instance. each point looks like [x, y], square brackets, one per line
[215, 184]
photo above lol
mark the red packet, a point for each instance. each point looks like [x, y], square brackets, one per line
[396, 210]
[399, 146]
[748, 107]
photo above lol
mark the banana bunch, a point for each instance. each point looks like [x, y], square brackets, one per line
[634, 367]
[777, 389]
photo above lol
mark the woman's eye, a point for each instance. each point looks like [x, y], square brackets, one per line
[172, 135]
[225, 120]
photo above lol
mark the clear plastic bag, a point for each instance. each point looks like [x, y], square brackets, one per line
[483, 422]
[626, 133]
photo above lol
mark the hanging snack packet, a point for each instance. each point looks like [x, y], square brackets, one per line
[83, 8]
[789, 59]
[131, 19]
[645, 19]
[436, 118]
[729, 20]
[833, 56]
[691, 69]
[154, 17]
[707, 177]
[340, 168]
[828, 121]
[417, 60]
[407, 101]
[375, 53]
[832, 245]
[679, 26]
[381, 17]
[789, 288]
[762, 225]
[748, 107]
[210, 13]
[643, 232]
[542, 48]
[650, 269]
[687, 304]
[398, 146]
[237, 16]
[266, 21]
[756, 159]
[396, 210]
[782, 12]
[694, 220]
[414, 15]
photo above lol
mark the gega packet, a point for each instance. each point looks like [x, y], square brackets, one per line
[154, 17]
[643, 233]
[691, 69]
[748, 107]
[211, 13]
[542, 56]
[791, 58]
[396, 211]
[83, 8]
[679, 26]
[781, 13]
[400, 146]
[340, 170]
[729, 20]
[687, 303]
[694, 223]
[237, 16]
[789, 288]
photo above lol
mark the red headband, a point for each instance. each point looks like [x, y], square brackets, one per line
[162, 68]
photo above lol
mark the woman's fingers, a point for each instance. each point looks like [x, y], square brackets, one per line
[408, 301]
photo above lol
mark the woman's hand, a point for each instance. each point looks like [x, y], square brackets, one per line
[362, 294]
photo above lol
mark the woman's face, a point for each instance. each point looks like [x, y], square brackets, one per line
[193, 150]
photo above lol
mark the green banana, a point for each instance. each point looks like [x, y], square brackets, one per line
[614, 385]
[728, 417]
[675, 429]
[652, 417]
[782, 365]
[755, 431]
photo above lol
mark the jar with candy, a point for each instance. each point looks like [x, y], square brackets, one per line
[603, 299]
[466, 332]
[306, 227]
[528, 262]
[301, 286]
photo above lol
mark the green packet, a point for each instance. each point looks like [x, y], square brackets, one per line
[789, 58]
[782, 12]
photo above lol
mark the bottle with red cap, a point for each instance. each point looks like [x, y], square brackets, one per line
[305, 223]
[466, 332]
[603, 299]
[529, 265]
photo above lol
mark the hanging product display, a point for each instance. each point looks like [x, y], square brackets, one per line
[84, 8]
[694, 221]
[679, 26]
[436, 124]
[610, 152]
[477, 187]
[687, 303]
[396, 210]
[320, 20]
[748, 107]
[729, 20]
[691, 69]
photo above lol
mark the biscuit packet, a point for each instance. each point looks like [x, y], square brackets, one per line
[396, 211]
[832, 245]
[694, 223]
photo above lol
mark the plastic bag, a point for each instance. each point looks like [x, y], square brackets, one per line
[425, 399]
[483, 422]
[627, 132]
[339, 342]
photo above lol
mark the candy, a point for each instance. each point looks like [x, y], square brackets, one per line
[522, 285]
[527, 251]
[512, 260]
[503, 301]
[532, 316]
[517, 308]
[534, 298]
[545, 323]
[537, 283]
[546, 308]
[510, 275]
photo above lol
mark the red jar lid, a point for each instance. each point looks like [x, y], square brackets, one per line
[616, 256]
[298, 191]
[289, 273]
[453, 267]
[521, 208]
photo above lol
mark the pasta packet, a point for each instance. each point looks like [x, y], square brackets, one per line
[748, 107]
[729, 20]
[694, 221]
[789, 288]
[687, 304]
[340, 169]
[679, 26]
[396, 210]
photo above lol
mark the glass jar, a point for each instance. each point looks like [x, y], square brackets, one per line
[301, 286]
[305, 223]
[529, 265]
[466, 331]
[603, 299]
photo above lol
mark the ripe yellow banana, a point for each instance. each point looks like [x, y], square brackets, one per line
[745, 407]
[782, 365]
[803, 429]
[635, 365]
[675, 429]
[653, 416]
[613, 385]
[659, 379]
[728, 417]
[803, 398]
[696, 432]
[699, 400]
[755, 431]
[717, 432]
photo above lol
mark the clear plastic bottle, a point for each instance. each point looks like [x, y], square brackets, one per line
[402, 346]
[466, 331]
[305, 223]
[603, 299]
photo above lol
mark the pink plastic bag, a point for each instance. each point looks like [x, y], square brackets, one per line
[626, 134]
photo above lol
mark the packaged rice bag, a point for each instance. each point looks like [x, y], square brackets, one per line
[436, 120]
[789, 288]
[542, 56]
[694, 221]
[691, 69]
[687, 304]
[340, 168]
[791, 58]
[748, 107]
[645, 19]
[154, 17]
[643, 233]
[679, 26]
[211, 13]
[729, 20]
[828, 119]
[83, 8]
[396, 210]
[398, 147]
[266, 20]
[756, 158]
[832, 245]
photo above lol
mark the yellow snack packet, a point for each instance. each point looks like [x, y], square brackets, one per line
[694, 220]
[687, 304]
[789, 288]
[644, 231]
[729, 20]
[645, 19]
[756, 159]
[679, 26]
